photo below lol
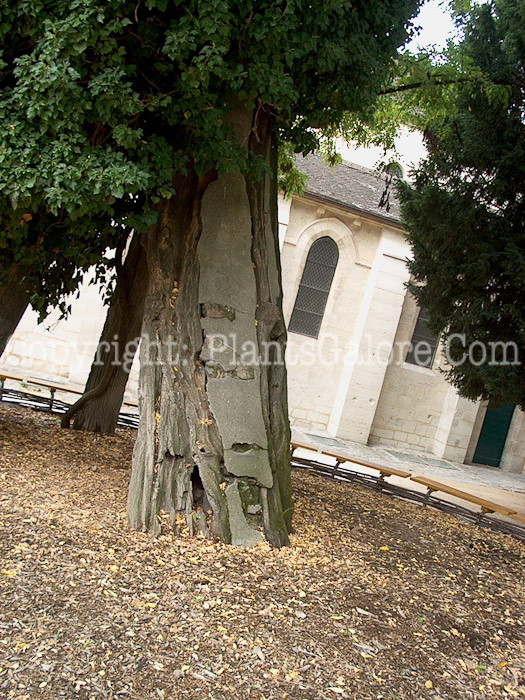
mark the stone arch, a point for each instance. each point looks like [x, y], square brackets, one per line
[341, 234]
[335, 229]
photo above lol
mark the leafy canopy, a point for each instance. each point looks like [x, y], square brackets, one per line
[101, 104]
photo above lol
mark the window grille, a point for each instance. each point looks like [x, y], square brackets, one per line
[424, 343]
[314, 288]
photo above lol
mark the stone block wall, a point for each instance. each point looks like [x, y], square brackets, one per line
[416, 404]
[315, 364]
[361, 384]
[513, 458]
[62, 350]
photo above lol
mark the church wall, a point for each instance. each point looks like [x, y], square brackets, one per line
[61, 350]
[513, 457]
[416, 403]
[315, 364]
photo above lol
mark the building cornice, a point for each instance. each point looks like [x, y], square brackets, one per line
[349, 209]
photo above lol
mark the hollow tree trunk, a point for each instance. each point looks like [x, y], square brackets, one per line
[98, 408]
[213, 448]
[14, 300]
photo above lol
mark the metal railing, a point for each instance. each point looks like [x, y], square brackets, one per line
[51, 404]
[344, 474]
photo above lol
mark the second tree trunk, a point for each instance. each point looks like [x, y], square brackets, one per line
[98, 408]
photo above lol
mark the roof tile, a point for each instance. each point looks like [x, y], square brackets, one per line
[348, 184]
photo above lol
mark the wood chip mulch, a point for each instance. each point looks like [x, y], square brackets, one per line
[375, 599]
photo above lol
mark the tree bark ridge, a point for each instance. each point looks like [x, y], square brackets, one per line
[213, 449]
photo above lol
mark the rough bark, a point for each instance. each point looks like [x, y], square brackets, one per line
[98, 408]
[213, 449]
[14, 300]
[271, 328]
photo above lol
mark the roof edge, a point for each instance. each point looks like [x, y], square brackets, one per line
[387, 220]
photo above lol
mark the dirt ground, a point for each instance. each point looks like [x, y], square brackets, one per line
[375, 599]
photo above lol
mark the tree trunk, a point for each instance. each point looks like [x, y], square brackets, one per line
[213, 449]
[98, 408]
[14, 300]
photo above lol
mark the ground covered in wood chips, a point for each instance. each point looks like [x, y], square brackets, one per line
[375, 599]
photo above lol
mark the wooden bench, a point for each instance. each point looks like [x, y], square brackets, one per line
[10, 375]
[47, 384]
[53, 387]
[28, 379]
[340, 459]
[486, 506]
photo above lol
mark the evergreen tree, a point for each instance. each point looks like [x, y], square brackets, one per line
[465, 213]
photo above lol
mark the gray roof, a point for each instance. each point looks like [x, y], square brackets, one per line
[349, 185]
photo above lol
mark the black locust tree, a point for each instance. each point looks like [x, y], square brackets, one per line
[165, 117]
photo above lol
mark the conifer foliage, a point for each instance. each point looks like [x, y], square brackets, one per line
[465, 213]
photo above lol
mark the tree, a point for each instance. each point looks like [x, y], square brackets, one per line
[14, 299]
[40, 265]
[465, 212]
[43, 267]
[58, 180]
[164, 118]
[48, 277]
[98, 408]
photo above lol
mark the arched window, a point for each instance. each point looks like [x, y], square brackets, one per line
[315, 286]
[424, 343]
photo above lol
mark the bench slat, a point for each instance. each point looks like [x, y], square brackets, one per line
[52, 386]
[11, 375]
[487, 506]
[386, 471]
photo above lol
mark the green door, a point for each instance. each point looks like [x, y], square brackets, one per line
[493, 435]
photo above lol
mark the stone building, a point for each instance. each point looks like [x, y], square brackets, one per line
[353, 328]
[347, 306]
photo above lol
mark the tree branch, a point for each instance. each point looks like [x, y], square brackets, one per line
[420, 83]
